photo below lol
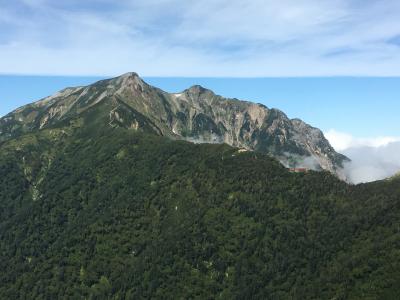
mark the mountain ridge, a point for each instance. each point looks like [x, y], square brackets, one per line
[195, 114]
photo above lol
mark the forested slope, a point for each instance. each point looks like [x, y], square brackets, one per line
[106, 213]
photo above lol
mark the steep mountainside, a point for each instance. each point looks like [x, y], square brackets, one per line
[89, 211]
[196, 115]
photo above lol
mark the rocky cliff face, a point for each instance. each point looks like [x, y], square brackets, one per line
[196, 114]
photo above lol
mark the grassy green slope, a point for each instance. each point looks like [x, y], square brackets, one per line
[92, 212]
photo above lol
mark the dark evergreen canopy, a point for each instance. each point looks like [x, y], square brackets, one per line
[105, 213]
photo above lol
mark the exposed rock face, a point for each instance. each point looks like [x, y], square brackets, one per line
[196, 115]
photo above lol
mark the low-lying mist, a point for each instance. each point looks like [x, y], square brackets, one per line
[372, 163]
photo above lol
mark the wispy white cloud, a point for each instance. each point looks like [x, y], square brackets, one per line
[201, 38]
[371, 158]
[343, 141]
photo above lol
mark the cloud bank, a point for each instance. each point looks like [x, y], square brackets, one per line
[371, 158]
[200, 38]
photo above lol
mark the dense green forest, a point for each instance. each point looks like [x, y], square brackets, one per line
[107, 213]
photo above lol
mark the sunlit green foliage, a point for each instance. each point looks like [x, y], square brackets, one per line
[116, 214]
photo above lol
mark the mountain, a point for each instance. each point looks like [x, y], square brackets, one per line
[197, 115]
[91, 210]
[101, 212]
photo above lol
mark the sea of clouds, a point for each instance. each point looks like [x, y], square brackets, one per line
[371, 158]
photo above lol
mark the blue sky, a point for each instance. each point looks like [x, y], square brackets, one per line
[208, 38]
[333, 63]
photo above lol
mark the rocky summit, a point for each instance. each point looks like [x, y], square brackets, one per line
[195, 114]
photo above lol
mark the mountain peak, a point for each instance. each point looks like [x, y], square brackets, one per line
[197, 90]
[129, 75]
[129, 81]
[199, 115]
